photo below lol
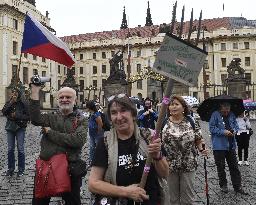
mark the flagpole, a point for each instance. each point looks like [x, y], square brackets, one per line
[128, 61]
[18, 72]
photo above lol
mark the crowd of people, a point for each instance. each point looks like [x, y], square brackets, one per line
[118, 154]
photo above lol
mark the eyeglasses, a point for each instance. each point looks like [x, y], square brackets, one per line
[121, 95]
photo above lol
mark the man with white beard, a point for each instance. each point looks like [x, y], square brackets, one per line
[63, 132]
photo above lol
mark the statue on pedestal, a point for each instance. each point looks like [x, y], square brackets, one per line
[117, 74]
[235, 71]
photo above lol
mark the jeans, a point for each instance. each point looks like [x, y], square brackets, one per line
[94, 138]
[20, 136]
[70, 198]
[230, 156]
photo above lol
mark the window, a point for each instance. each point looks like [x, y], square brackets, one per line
[246, 45]
[94, 56]
[138, 68]
[81, 70]
[223, 46]
[25, 75]
[58, 69]
[65, 71]
[247, 61]
[223, 62]
[206, 64]
[81, 84]
[81, 56]
[35, 71]
[207, 77]
[138, 53]
[248, 77]
[43, 73]
[235, 45]
[34, 57]
[103, 55]
[104, 69]
[94, 83]
[25, 55]
[14, 47]
[43, 59]
[14, 70]
[112, 53]
[223, 78]
[94, 70]
[104, 82]
[15, 24]
[59, 84]
[139, 84]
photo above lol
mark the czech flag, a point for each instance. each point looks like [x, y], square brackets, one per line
[39, 41]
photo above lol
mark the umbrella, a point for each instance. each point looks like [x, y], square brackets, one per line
[135, 100]
[212, 104]
[191, 101]
[250, 105]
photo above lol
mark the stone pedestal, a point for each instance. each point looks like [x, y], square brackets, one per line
[114, 89]
[237, 88]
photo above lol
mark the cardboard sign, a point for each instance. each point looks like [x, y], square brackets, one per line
[179, 60]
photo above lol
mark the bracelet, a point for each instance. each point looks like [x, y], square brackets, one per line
[159, 158]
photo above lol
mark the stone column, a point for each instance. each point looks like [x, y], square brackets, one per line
[237, 88]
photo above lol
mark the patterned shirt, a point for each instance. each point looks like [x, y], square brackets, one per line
[179, 143]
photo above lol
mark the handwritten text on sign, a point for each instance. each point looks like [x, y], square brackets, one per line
[179, 60]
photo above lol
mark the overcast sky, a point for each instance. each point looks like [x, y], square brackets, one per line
[88, 16]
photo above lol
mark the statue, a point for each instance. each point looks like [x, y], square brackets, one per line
[234, 67]
[117, 74]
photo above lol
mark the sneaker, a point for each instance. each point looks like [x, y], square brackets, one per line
[20, 174]
[224, 189]
[240, 163]
[246, 163]
[9, 173]
[241, 191]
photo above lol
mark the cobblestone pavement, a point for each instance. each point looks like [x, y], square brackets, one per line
[14, 191]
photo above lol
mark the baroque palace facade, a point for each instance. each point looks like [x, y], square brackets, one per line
[226, 38]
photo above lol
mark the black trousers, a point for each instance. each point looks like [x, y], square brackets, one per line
[70, 198]
[243, 144]
[230, 156]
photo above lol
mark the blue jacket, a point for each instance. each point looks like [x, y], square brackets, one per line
[147, 121]
[217, 127]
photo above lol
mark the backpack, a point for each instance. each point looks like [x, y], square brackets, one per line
[106, 124]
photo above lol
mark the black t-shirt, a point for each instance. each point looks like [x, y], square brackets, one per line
[128, 172]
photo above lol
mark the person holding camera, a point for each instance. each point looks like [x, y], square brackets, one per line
[223, 128]
[17, 114]
[243, 138]
[63, 132]
[147, 117]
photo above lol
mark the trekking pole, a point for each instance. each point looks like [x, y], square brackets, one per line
[206, 179]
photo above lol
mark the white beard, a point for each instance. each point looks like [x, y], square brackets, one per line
[66, 107]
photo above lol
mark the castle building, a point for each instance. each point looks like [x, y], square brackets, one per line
[225, 38]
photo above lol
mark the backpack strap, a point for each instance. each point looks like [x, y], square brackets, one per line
[191, 121]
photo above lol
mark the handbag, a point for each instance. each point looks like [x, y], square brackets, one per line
[52, 176]
[78, 168]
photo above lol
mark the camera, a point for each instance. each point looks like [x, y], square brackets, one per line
[39, 81]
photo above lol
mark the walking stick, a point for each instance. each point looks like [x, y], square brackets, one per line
[206, 179]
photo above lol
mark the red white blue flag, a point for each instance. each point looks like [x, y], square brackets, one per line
[38, 40]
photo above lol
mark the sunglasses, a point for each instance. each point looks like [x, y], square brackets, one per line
[121, 95]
